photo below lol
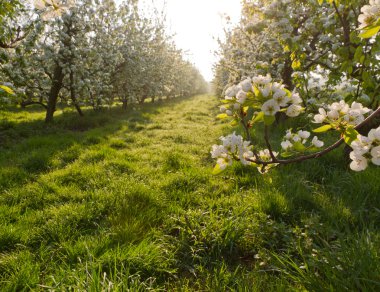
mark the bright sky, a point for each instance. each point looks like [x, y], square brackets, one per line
[197, 24]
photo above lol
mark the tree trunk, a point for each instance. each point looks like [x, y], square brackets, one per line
[142, 100]
[153, 98]
[287, 74]
[125, 104]
[54, 91]
[73, 96]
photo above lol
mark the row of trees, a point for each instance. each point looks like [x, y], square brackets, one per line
[91, 53]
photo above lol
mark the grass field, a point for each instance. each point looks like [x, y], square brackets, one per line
[126, 200]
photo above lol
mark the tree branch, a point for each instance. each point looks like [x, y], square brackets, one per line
[29, 102]
[313, 155]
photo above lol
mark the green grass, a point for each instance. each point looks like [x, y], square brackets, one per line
[126, 200]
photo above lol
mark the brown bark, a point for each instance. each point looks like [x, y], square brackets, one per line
[56, 86]
[287, 74]
[26, 103]
[125, 104]
[73, 95]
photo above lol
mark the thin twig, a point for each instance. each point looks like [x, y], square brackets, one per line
[269, 146]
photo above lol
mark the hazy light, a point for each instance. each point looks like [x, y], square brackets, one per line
[197, 24]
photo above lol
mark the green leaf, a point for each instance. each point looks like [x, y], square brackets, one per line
[313, 149]
[350, 135]
[222, 116]
[257, 92]
[320, 2]
[250, 113]
[358, 53]
[217, 170]
[298, 146]
[296, 64]
[234, 123]
[286, 154]
[369, 32]
[250, 95]
[259, 117]
[322, 129]
[7, 89]
[269, 120]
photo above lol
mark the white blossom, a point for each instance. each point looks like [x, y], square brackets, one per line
[289, 134]
[265, 91]
[304, 134]
[233, 146]
[341, 107]
[295, 98]
[354, 117]
[317, 143]
[280, 98]
[374, 135]
[241, 96]
[270, 107]
[370, 13]
[265, 155]
[39, 4]
[246, 85]
[286, 145]
[294, 110]
[218, 151]
[356, 106]
[375, 153]
[361, 145]
[232, 91]
[53, 8]
[261, 80]
[321, 117]
[359, 162]
[223, 162]
[296, 138]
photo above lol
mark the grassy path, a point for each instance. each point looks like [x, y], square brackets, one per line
[126, 201]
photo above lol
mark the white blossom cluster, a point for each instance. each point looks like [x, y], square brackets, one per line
[233, 148]
[300, 137]
[341, 112]
[53, 8]
[274, 95]
[237, 93]
[365, 148]
[277, 97]
[370, 13]
[265, 155]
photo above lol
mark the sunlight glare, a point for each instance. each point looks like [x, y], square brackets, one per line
[197, 24]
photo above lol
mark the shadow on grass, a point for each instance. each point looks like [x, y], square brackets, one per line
[325, 187]
[29, 146]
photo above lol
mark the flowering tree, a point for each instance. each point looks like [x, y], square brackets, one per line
[311, 45]
[94, 53]
[258, 99]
